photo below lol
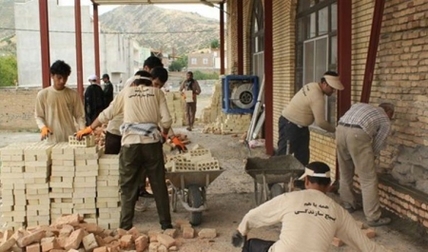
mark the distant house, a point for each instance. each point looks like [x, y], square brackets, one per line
[205, 60]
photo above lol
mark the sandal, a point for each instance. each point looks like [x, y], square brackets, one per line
[379, 222]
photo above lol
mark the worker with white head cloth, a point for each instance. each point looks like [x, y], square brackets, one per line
[310, 219]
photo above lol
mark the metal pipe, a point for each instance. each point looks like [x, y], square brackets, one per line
[268, 76]
[44, 42]
[240, 37]
[96, 41]
[371, 53]
[222, 68]
[78, 35]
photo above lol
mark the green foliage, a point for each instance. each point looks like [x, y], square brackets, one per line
[215, 44]
[8, 70]
[198, 75]
[175, 66]
[178, 64]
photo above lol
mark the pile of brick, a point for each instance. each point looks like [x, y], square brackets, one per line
[25, 191]
[69, 233]
[108, 197]
[229, 124]
[41, 182]
[175, 103]
[197, 159]
[211, 112]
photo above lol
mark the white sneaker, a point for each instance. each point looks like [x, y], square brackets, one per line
[141, 204]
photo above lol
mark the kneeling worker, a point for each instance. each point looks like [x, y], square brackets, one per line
[144, 108]
[310, 219]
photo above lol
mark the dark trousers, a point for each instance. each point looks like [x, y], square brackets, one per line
[257, 245]
[298, 138]
[112, 143]
[135, 159]
[190, 113]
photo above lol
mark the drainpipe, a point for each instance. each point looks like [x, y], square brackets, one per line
[371, 53]
[268, 74]
[78, 35]
[44, 42]
[240, 37]
[222, 38]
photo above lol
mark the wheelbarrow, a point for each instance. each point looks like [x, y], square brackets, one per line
[272, 176]
[190, 187]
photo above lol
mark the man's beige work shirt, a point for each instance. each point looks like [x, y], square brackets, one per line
[58, 110]
[310, 220]
[139, 105]
[307, 106]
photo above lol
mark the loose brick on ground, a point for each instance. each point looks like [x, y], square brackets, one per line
[126, 242]
[207, 233]
[141, 243]
[89, 242]
[171, 232]
[5, 246]
[188, 233]
[50, 243]
[73, 242]
[166, 240]
[33, 248]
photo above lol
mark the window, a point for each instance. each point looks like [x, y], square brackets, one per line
[316, 45]
[205, 61]
[193, 61]
[257, 39]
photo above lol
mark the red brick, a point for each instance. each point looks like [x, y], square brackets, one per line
[73, 242]
[33, 248]
[109, 239]
[188, 233]
[171, 232]
[166, 240]
[66, 230]
[72, 219]
[101, 249]
[180, 222]
[89, 242]
[134, 232]
[91, 228]
[153, 236]
[121, 232]
[5, 246]
[100, 241]
[126, 242]
[50, 243]
[141, 243]
[31, 238]
[208, 233]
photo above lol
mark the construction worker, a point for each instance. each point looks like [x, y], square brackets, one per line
[94, 99]
[57, 107]
[144, 108]
[190, 84]
[360, 136]
[108, 90]
[310, 219]
[307, 106]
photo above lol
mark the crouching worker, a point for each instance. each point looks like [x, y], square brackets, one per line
[310, 219]
[144, 108]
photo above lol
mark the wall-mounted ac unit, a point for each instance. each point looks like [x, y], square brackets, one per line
[239, 93]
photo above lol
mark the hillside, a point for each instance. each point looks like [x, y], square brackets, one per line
[169, 31]
[162, 29]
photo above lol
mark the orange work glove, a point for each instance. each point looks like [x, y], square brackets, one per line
[86, 131]
[45, 132]
[177, 142]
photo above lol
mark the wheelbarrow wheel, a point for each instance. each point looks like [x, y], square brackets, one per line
[195, 200]
[276, 190]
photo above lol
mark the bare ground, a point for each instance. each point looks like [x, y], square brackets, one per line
[230, 196]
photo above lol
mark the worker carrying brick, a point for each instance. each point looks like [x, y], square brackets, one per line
[360, 136]
[190, 84]
[144, 108]
[310, 219]
[57, 107]
[306, 107]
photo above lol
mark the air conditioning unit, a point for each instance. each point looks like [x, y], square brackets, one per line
[239, 93]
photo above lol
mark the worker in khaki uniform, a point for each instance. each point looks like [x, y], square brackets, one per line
[310, 219]
[190, 84]
[144, 108]
[305, 108]
[58, 107]
[360, 136]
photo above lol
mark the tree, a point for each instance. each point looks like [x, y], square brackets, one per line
[215, 44]
[8, 70]
[175, 66]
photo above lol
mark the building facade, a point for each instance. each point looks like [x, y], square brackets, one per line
[205, 60]
[119, 55]
[305, 44]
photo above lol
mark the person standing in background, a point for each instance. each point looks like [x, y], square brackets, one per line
[58, 107]
[94, 100]
[108, 90]
[190, 84]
